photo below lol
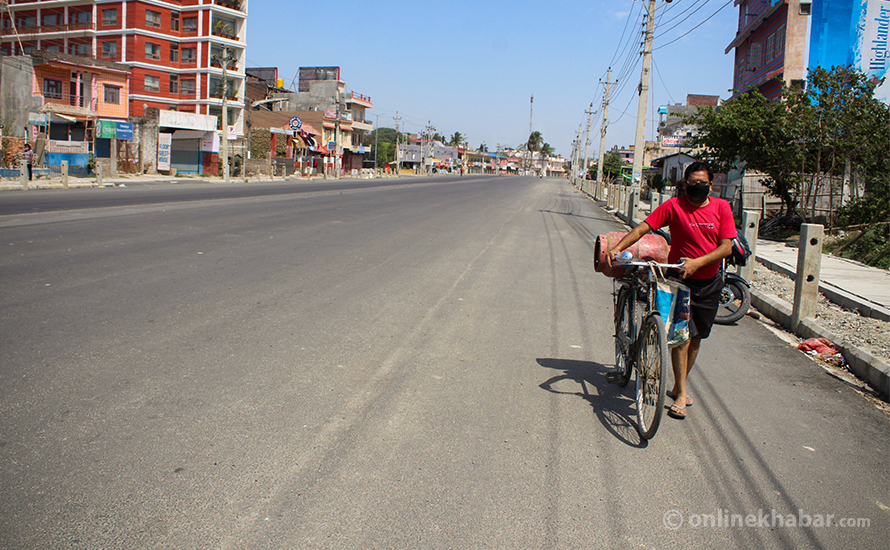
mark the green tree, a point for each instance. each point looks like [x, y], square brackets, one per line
[832, 126]
[456, 139]
[764, 135]
[611, 165]
[547, 150]
[535, 140]
[482, 148]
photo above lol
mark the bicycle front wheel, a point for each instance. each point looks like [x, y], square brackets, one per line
[651, 368]
[625, 332]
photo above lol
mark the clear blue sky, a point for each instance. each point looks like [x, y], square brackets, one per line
[472, 67]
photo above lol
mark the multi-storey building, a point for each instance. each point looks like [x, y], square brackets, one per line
[770, 45]
[320, 89]
[175, 49]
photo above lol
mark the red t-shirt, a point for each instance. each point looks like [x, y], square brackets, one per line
[695, 231]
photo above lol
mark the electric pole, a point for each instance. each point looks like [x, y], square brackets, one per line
[640, 136]
[599, 168]
[587, 138]
[337, 139]
[398, 143]
[528, 143]
[224, 142]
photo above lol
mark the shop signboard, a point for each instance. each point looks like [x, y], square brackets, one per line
[165, 141]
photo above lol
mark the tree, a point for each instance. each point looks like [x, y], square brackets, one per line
[832, 126]
[482, 148]
[386, 139]
[611, 165]
[534, 141]
[764, 135]
[546, 150]
[456, 139]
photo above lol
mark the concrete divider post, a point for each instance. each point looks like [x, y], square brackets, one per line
[806, 284]
[633, 205]
[23, 174]
[750, 228]
[65, 173]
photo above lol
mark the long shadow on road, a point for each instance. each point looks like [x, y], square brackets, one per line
[613, 408]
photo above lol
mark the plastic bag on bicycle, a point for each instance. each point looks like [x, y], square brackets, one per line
[672, 303]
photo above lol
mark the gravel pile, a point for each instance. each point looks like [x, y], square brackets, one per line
[871, 335]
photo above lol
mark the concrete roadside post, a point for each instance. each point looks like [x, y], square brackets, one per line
[809, 263]
[633, 204]
[750, 228]
[655, 201]
[23, 174]
[65, 174]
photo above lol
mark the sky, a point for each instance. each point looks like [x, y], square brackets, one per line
[473, 66]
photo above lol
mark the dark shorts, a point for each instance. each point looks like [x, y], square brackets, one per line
[703, 303]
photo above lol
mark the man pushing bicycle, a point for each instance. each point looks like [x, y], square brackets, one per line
[702, 229]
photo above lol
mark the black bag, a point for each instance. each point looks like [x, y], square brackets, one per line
[740, 251]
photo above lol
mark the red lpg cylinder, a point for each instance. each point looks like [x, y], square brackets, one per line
[651, 247]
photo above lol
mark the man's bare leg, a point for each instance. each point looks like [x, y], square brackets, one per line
[682, 359]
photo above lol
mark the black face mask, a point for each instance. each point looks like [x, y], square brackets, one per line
[697, 192]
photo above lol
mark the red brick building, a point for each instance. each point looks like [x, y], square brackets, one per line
[173, 48]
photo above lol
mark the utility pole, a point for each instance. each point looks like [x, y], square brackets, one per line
[599, 169]
[224, 142]
[398, 143]
[640, 139]
[337, 139]
[376, 132]
[587, 138]
[429, 147]
[527, 143]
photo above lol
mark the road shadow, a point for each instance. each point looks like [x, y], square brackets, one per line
[612, 404]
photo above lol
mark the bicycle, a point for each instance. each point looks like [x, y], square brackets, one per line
[641, 341]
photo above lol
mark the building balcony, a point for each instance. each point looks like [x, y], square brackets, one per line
[363, 125]
[25, 30]
[231, 4]
[360, 99]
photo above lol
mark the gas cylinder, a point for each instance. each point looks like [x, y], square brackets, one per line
[651, 247]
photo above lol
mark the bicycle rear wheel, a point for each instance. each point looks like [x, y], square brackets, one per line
[625, 332]
[651, 366]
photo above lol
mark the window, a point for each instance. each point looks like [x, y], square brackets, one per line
[174, 21]
[174, 84]
[153, 19]
[152, 83]
[54, 48]
[109, 50]
[189, 55]
[27, 21]
[79, 49]
[152, 51]
[174, 52]
[52, 88]
[189, 24]
[188, 87]
[51, 20]
[112, 94]
[76, 17]
[109, 17]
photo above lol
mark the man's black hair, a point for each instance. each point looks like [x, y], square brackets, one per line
[699, 166]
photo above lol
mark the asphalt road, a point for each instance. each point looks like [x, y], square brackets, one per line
[415, 363]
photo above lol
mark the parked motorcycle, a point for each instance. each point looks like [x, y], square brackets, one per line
[735, 298]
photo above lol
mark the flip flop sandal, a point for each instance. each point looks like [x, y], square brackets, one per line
[677, 412]
[689, 400]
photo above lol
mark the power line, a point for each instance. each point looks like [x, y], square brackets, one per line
[695, 27]
[620, 47]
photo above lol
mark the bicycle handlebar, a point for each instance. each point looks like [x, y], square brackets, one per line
[647, 263]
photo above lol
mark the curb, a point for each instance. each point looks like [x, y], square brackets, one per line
[861, 363]
[836, 295]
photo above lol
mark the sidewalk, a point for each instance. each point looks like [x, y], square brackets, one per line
[13, 184]
[847, 283]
